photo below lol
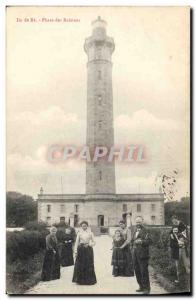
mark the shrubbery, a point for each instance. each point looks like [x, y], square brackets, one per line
[23, 274]
[161, 261]
[39, 226]
[160, 252]
[25, 250]
[21, 245]
[160, 236]
[179, 208]
[26, 243]
[20, 209]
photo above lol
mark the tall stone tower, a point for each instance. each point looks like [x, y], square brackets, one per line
[100, 175]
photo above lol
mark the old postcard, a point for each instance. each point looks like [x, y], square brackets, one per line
[98, 150]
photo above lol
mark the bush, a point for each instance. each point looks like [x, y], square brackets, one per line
[160, 251]
[23, 274]
[36, 226]
[20, 209]
[160, 237]
[160, 258]
[179, 208]
[24, 244]
[25, 250]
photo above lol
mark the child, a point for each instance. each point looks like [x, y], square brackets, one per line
[118, 259]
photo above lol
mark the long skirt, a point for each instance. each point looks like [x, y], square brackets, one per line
[129, 269]
[51, 266]
[84, 272]
[122, 262]
[66, 257]
[118, 262]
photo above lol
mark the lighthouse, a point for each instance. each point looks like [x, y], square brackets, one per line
[100, 205]
[100, 175]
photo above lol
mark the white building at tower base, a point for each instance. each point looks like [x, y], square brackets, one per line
[101, 209]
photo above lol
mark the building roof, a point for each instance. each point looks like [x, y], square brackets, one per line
[100, 197]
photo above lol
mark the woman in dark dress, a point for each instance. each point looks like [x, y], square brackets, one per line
[65, 241]
[118, 257]
[84, 273]
[126, 233]
[51, 264]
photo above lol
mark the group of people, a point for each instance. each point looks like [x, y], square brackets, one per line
[130, 252]
[59, 251]
[179, 244]
[60, 245]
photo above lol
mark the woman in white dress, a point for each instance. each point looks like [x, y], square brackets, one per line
[84, 272]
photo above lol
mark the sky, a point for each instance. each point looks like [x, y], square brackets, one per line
[47, 85]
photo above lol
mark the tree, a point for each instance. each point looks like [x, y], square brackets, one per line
[179, 208]
[20, 209]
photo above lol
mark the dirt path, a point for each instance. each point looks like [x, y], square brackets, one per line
[106, 283]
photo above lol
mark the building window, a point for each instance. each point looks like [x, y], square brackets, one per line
[153, 219]
[48, 220]
[62, 208]
[124, 207]
[153, 207]
[139, 208]
[76, 208]
[100, 124]
[62, 219]
[48, 208]
[100, 175]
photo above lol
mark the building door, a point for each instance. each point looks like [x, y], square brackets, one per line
[101, 220]
[124, 217]
[62, 219]
[76, 220]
